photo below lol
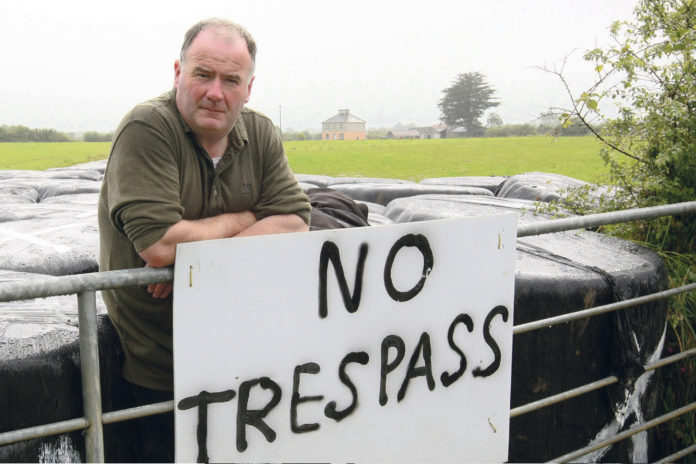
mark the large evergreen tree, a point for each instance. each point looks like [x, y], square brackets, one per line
[465, 101]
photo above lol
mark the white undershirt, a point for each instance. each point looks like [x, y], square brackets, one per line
[216, 160]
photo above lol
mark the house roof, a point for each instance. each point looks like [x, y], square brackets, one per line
[343, 116]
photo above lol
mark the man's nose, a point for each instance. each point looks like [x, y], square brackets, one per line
[215, 90]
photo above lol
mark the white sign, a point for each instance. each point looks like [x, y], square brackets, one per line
[380, 344]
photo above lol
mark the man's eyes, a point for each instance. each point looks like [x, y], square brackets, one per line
[206, 75]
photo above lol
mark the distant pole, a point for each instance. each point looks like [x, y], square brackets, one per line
[280, 120]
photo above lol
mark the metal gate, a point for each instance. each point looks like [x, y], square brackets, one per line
[85, 287]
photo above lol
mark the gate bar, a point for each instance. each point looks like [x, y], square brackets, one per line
[76, 283]
[137, 412]
[566, 395]
[89, 368]
[551, 321]
[602, 219]
[678, 455]
[596, 385]
[44, 430]
[628, 433]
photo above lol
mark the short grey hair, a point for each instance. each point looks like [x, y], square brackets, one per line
[228, 26]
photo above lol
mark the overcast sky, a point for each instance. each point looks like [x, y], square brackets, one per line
[76, 65]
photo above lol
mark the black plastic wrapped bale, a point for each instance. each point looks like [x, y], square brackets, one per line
[52, 187]
[537, 186]
[43, 386]
[383, 193]
[38, 389]
[314, 180]
[98, 166]
[376, 214]
[490, 183]
[40, 369]
[366, 180]
[87, 199]
[85, 174]
[6, 174]
[11, 193]
[49, 239]
[562, 273]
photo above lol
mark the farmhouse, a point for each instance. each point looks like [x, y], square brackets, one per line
[343, 126]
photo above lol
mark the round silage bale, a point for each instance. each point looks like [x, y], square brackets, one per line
[49, 187]
[85, 199]
[538, 186]
[306, 186]
[50, 239]
[45, 387]
[555, 274]
[32, 326]
[366, 180]
[562, 273]
[313, 179]
[383, 193]
[376, 214]
[13, 193]
[8, 174]
[60, 173]
[490, 182]
[98, 165]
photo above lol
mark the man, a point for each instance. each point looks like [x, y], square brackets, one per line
[193, 164]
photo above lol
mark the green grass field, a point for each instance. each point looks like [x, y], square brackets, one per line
[42, 156]
[402, 159]
[418, 159]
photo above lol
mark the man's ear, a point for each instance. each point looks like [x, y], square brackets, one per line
[177, 73]
[249, 89]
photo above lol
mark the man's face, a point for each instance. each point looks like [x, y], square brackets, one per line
[212, 84]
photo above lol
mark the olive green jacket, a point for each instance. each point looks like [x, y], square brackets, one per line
[158, 174]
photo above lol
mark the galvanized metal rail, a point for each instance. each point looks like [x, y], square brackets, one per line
[604, 219]
[85, 286]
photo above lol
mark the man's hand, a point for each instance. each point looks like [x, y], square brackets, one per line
[160, 290]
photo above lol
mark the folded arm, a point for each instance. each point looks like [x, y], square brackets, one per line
[163, 252]
[244, 224]
[278, 224]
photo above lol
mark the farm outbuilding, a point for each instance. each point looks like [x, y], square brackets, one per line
[438, 131]
[403, 134]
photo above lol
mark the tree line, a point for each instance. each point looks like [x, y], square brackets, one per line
[26, 134]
